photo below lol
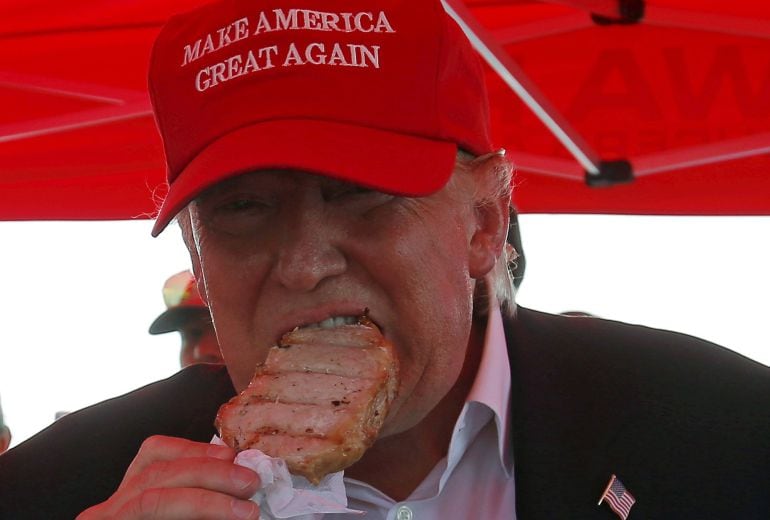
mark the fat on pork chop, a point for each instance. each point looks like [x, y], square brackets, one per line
[318, 401]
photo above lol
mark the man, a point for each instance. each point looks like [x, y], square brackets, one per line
[329, 157]
[5, 433]
[187, 313]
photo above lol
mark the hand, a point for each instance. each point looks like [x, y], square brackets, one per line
[177, 478]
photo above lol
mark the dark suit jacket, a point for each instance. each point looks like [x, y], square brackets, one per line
[685, 425]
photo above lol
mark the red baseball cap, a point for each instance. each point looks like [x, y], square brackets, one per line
[376, 92]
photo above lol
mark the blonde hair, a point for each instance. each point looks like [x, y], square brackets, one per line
[501, 277]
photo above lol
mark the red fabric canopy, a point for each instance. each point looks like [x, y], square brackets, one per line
[680, 89]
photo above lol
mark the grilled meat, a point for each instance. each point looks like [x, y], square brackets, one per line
[318, 401]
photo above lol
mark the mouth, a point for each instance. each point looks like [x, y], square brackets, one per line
[330, 323]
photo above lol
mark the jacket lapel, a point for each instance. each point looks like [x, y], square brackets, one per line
[561, 434]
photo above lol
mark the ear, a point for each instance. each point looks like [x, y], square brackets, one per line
[492, 206]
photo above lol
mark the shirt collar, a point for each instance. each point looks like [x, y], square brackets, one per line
[492, 386]
[488, 399]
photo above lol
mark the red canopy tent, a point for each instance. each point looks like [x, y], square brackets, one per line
[629, 106]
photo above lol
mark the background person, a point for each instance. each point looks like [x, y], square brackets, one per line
[188, 314]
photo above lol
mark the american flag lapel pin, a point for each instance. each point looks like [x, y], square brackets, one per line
[618, 497]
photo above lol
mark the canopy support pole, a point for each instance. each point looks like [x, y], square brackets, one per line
[515, 78]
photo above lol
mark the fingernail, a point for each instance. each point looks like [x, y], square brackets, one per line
[243, 477]
[244, 509]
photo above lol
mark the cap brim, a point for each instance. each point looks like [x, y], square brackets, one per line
[173, 319]
[387, 161]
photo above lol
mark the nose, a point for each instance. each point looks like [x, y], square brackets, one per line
[308, 252]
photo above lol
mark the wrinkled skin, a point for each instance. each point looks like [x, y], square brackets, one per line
[273, 250]
[276, 250]
[177, 478]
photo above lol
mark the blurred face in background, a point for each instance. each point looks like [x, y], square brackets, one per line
[199, 342]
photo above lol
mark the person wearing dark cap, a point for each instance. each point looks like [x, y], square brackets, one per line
[187, 314]
[328, 158]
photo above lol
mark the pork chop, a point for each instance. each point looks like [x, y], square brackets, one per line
[318, 401]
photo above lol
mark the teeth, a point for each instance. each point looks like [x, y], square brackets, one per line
[334, 321]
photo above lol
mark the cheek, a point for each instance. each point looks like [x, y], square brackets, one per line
[186, 356]
[208, 345]
[233, 279]
[419, 255]
[425, 273]
[436, 258]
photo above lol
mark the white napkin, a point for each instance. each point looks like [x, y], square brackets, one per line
[284, 495]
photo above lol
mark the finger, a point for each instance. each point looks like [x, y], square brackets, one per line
[205, 473]
[188, 504]
[162, 448]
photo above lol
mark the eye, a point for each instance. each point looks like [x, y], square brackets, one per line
[234, 214]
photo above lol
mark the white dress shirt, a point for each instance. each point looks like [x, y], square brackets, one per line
[475, 479]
